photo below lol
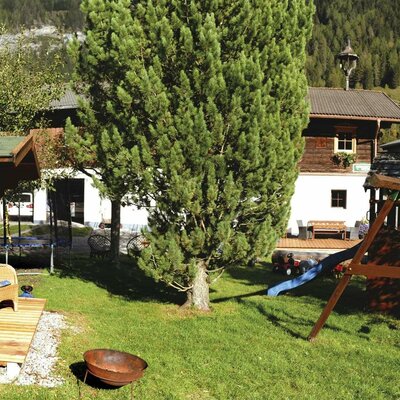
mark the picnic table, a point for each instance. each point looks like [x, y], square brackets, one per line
[327, 227]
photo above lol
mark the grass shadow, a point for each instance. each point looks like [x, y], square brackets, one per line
[280, 323]
[29, 259]
[251, 275]
[83, 379]
[352, 300]
[127, 280]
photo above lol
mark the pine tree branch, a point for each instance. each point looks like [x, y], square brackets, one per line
[173, 284]
[179, 287]
[85, 171]
[203, 226]
[209, 271]
[219, 275]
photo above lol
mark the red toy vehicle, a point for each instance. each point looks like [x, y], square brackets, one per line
[288, 265]
[338, 271]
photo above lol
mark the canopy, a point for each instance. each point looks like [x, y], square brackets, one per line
[18, 161]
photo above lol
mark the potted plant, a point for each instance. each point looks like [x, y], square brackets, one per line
[343, 158]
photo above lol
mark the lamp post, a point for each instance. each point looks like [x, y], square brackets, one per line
[348, 61]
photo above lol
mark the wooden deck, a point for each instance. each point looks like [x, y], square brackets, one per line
[316, 244]
[17, 329]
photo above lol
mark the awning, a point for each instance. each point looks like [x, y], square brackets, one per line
[18, 161]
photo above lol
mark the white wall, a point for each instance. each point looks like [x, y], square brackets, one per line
[96, 209]
[312, 199]
[39, 206]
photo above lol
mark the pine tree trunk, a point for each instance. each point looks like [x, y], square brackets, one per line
[199, 296]
[115, 229]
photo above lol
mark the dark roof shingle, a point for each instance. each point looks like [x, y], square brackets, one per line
[363, 104]
[68, 100]
[325, 102]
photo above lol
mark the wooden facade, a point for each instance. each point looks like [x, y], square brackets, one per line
[319, 151]
[340, 143]
[360, 114]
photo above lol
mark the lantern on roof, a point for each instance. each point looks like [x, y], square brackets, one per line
[348, 61]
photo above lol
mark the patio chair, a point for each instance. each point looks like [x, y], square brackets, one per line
[352, 232]
[305, 232]
[9, 279]
[136, 244]
[100, 246]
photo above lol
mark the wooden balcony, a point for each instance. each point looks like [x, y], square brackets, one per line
[315, 244]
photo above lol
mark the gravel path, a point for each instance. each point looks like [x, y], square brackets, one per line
[42, 356]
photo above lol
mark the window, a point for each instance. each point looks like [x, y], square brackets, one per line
[338, 198]
[344, 142]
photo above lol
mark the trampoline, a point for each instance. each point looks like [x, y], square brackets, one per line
[60, 229]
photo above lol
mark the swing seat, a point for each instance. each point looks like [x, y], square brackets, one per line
[8, 285]
[100, 246]
[136, 244]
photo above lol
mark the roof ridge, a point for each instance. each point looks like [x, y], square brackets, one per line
[350, 90]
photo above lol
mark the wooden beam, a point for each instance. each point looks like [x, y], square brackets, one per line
[383, 181]
[374, 271]
[344, 281]
[351, 117]
[23, 148]
[366, 243]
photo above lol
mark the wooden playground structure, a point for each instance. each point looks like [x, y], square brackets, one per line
[383, 247]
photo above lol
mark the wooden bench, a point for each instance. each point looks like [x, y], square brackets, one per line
[328, 227]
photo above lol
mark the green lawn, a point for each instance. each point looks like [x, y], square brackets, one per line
[42, 230]
[14, 228]
[249, 347]
[393, 93]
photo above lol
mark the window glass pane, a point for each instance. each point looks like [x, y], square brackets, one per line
[338, 198]
[345, 142]
[24, 198]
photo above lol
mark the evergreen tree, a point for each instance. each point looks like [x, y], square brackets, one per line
[26, 86]
[373, 29]
[198, 106]
[227, 138]
[106, 65]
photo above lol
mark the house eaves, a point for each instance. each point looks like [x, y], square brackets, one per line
[367, 105]
[18, 161]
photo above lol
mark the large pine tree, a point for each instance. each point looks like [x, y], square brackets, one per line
[198, 106]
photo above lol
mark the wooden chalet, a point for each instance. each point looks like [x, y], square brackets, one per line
[345, 121]
[341, 141]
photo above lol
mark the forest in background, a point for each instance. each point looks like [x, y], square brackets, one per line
[64, 14]
[372, 26]
[374, 30]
